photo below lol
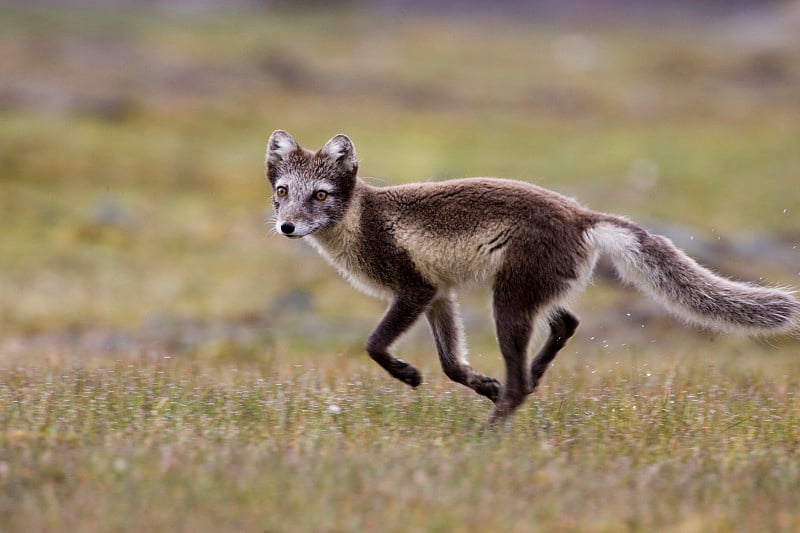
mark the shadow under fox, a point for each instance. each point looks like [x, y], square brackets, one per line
[413, 245]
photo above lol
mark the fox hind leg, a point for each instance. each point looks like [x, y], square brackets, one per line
[513, 314]
[519, 294]
[562, 326]
[445, 324]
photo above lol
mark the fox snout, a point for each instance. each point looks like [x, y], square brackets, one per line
[287, 228]
[291, 229]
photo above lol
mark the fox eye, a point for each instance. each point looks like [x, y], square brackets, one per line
[281, 191]
[320, 195]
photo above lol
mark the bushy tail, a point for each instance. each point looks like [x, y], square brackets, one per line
[654, 265]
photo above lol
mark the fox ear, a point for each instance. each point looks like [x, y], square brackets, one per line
[280, 145]
[340, 148]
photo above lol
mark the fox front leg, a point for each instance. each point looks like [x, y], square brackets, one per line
[448, 333]
[401, 314]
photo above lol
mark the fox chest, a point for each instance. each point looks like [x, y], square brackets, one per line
[360, 269]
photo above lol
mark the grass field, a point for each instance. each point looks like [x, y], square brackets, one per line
[685, 441]
[166, 363]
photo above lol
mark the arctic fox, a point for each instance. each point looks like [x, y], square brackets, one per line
[413, 245]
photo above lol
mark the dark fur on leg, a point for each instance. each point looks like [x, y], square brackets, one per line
[445, 324]
[562, 326]
[400, 315]
[519, 294]
[514, 326]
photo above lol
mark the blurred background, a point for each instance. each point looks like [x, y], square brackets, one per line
[133, 208]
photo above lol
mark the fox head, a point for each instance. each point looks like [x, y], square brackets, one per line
[310, 190]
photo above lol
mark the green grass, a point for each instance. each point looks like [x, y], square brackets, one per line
[643, 443]
[166, 363]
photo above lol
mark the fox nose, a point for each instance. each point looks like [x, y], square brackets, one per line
[287, 228]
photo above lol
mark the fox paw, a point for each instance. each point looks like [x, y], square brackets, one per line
[406, 373]
[488, 387]
[504, 407]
